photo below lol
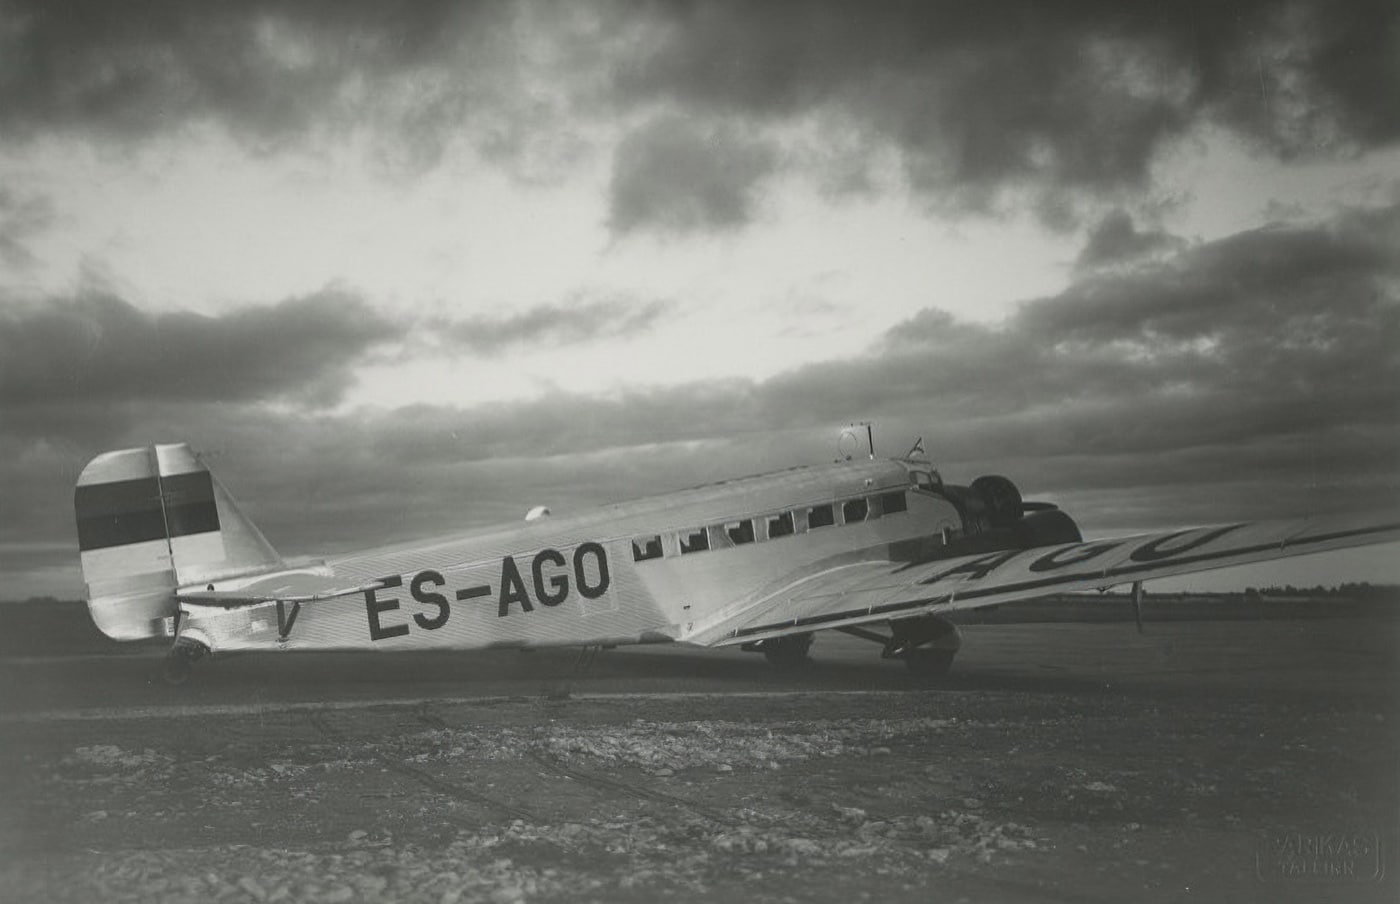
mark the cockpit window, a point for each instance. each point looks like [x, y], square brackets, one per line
[780, 525]
[820, 516]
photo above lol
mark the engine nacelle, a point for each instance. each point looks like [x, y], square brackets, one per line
[1001, 499]
[992, 502]
[996, 517]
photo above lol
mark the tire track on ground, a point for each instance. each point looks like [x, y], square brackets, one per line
[318, 720]
[423, 713]
[607, 784]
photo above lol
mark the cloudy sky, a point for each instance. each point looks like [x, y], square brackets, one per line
[398, 269]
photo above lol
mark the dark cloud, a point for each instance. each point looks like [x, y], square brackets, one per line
[674, 175]
[1290, 285]
[412, 77]
[986, 105]
[579, 321]
[1256, 376]
[152, 66]
[1116, 241]
[1066, 97]
[1268, 333]
[99, 348]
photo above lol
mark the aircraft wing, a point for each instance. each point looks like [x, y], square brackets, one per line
[855, 593]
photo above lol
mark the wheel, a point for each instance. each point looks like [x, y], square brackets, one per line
[788, 652]
[180, 661]
[929, 662]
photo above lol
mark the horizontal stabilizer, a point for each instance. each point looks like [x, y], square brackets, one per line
[254, 596]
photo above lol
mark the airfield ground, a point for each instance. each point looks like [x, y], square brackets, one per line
[1205, 760]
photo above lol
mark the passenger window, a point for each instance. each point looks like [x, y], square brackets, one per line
[695, 541]
[854, 512]
[820, 516]
[644, 548]
[780, 525]
[894, 502]
[739, 532]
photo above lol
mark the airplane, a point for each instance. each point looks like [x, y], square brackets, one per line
[882, 549]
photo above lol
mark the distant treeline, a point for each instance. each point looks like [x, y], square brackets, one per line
[1363, 590]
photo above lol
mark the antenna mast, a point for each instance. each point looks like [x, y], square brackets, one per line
[849, 432]
[869, 435]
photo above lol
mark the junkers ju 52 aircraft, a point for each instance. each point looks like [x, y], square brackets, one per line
[881, 549]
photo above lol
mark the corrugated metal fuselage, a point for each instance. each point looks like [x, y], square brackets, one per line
[658, 569]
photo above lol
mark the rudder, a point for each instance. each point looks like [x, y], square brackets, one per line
[152, 519]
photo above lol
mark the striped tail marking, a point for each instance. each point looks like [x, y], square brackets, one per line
[151, 519]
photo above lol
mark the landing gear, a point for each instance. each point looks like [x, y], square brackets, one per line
[924, 633]
[926, 643]
[178, 664]
[789, 652]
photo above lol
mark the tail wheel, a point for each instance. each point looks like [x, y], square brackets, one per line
[788, 652]
[178, 665]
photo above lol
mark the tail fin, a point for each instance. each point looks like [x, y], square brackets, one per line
[152, 519]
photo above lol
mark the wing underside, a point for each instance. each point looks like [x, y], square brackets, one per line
[853, 594]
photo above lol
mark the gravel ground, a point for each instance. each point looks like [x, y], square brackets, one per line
[954, 794]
